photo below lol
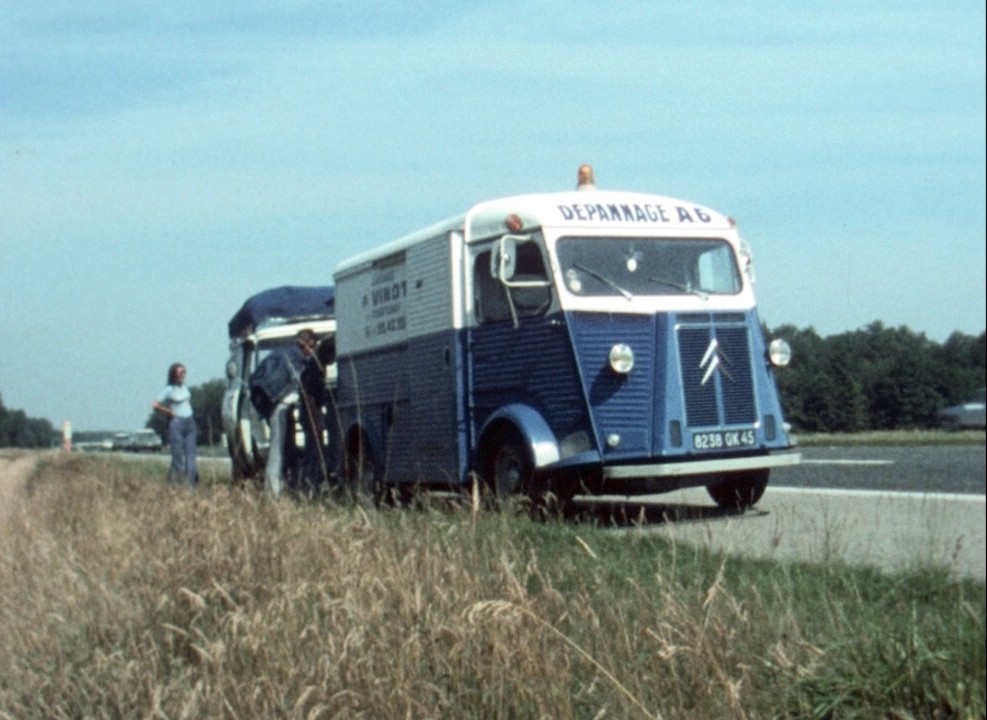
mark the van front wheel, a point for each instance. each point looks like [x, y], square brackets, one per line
[740, 490]
[509, 468]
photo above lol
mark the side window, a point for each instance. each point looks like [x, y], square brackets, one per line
[493, 299]
[533, 300]
[489, 294]
[716, 271]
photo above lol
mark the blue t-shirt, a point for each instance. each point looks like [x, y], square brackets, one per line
[178, 398]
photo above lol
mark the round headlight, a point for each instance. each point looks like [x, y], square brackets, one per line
[621, 358]
[779, 352]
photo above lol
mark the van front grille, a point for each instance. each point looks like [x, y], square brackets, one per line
[717, 375]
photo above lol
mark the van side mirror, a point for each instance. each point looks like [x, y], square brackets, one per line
[503, 261]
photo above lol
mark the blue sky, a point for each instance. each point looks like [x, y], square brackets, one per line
[161, 162]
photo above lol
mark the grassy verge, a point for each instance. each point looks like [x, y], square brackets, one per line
[121, 597]
[895, 437]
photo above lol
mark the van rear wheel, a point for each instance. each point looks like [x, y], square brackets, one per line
[362, 477]
[740, 490]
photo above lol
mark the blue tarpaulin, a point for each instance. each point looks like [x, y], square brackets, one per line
[286, 302]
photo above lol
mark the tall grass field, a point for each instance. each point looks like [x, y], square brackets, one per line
[123, 597]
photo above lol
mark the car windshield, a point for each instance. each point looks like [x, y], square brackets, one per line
[627, 267]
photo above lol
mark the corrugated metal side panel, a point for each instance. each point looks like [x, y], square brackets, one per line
[532, 364]
[429, 276]
[348, 315]
[422, 446]
[377, 378]
[620, 404]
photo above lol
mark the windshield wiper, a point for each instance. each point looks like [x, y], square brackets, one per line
[682, 288]
[605, 280]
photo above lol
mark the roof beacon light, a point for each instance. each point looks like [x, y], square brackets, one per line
[513, 223]
[585, 181]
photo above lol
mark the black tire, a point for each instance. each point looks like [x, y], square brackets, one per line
[509, 468]
[551, 497]
[241, 460]
[362, 475]
[402, 496]
[740, 490]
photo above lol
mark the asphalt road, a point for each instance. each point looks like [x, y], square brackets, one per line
[893, 508]
[927, 469]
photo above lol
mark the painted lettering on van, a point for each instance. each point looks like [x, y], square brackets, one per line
[386, 294]
[383, 306]
[633, 212]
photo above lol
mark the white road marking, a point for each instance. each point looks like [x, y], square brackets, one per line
[847, 462]
[948, 497]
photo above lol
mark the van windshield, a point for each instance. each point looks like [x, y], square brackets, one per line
[597, 266]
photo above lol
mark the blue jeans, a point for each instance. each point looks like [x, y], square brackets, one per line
[181, 440]
[274, 470]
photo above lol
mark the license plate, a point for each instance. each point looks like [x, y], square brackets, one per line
[723, 440]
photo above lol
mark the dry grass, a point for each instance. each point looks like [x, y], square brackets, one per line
[124, 598]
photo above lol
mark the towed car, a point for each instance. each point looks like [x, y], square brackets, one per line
[266, 322]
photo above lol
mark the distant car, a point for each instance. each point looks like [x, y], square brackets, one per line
[140, 441]
[145, 441]
[965, 416]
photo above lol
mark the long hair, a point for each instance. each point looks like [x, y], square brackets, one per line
[173, 373]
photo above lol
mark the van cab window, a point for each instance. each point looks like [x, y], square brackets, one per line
[493, 298]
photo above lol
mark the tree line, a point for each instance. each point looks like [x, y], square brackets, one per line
[873, 378]
[19, 430]
[876, 378]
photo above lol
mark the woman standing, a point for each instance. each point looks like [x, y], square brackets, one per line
[175, 401]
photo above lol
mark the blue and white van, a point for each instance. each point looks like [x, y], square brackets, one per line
[566, 343]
